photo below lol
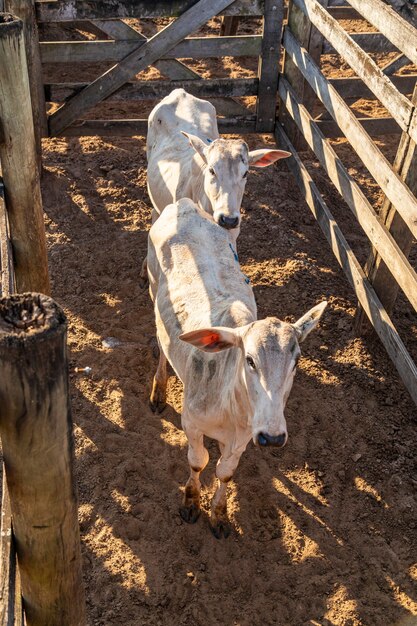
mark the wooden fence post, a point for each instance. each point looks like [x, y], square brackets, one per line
[376, 271]
[36, 434]
[25, 10]
[18, 160]
[311, 39]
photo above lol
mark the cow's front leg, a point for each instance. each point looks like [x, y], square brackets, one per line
[157, 399]
[226, 466]
[198, 458]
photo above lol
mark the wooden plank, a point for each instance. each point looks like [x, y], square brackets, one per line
[374, 126]
[344, 13]
[25, 9]
[378, 235]
[8, 569]
[69, 10]
[396, 103]
[378, 271]
[19, 162]
[396, 64]
[378, 166]
[402, 34]
[156, 89]
[134, 63]
[130, 128]
[229, 25]
[370, 42]
[355, 88]
[113, 51]
[268, 67]
[351, 267]
[173, 69]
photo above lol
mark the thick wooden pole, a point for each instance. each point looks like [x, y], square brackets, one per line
[25, 10]
[18, 160]
[36, 435]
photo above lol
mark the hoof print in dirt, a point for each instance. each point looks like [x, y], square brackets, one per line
[221, 529]
[190, 514]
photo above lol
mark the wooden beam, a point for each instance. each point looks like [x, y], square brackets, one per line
[377, 269]
[355, 87]
[351, 267]
[269, 66]
[344, 13]
[396, 103]
[370, 42]
[402, 34]
[130, 128]
[69, 10]
[25, 10]
[36, 435]
[134, 63]
[229, 25]
[378, 235]
[8, 562]
[171, 68]
[19, 162]
[378, 166]
[395, 65]
[156, 89]
[6, 257]
[113, 51]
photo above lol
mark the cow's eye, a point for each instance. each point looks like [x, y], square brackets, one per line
[245, 175]
[250, 362]
[212, 172]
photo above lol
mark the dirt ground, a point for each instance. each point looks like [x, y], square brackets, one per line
[325, 530]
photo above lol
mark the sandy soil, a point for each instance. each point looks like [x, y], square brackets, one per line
[325, 530]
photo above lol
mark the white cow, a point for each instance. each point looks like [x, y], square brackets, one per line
[237, 371]
[187, 159]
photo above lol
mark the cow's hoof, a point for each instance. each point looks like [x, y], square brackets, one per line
[190, 514]
[143, 283]
[157, 406]
[221, 529]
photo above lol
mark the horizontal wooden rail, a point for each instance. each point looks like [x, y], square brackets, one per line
[155, 89]
[391, 24]
[370, 42]
[355, 88]
[377, 233]
[351, 267]
[396, 103]
[129, 128]
[378, 166]
[70, 10]
[374, 126]
[113, 51]
[344, 13]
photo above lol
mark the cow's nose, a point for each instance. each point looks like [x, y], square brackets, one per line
[269, 440]
[228, 222]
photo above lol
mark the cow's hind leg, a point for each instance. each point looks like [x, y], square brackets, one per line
[157, 399]
[226, 465]
[198, 458]
[143, 276]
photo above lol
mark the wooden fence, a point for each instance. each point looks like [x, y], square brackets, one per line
[312, 31]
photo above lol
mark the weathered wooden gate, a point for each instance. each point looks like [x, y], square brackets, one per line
[132, 53]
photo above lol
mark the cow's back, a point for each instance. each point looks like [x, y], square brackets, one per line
[194, 276]
[168, 151]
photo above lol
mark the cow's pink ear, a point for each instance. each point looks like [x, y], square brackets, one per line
[212, 339]
[264, 157]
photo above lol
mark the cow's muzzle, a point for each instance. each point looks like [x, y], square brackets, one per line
[270, 440]
[228, 222]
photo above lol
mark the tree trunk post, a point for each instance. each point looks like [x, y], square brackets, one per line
[18, 159]
[36, 434]
[25, 10]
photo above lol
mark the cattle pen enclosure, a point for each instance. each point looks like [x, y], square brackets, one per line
[91, 87]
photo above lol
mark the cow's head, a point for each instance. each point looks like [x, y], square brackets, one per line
[270, 351]
[227, 162]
